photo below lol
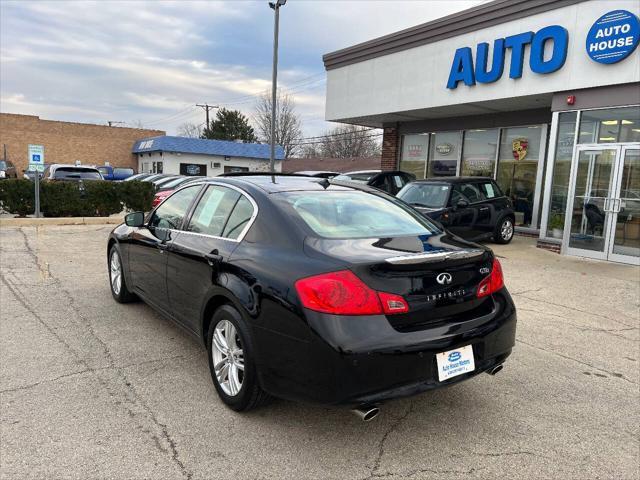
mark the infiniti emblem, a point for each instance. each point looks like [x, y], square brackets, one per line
[444, 278]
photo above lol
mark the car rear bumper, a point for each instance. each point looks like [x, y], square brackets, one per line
[364, 360]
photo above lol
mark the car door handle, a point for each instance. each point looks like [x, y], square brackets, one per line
[213, 257]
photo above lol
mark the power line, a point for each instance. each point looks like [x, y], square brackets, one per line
[335, 140]
[355, 133]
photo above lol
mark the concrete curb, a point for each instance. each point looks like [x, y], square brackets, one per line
[38, 222]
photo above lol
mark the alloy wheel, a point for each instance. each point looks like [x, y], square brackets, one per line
[507, 230]
[115, 272]
[228, 357]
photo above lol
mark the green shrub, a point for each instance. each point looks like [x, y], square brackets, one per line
[137, 196]
[17, 196]
[75, 199]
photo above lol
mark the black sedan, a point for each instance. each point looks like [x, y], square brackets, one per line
[473, 208]
[315, 290]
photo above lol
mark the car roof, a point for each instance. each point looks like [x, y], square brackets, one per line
[279, 183]
[453, 180]
[361, 171]
[69, 165]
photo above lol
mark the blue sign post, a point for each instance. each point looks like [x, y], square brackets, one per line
[36, 165]
[613, 37]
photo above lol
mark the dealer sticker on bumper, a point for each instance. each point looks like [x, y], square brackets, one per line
[455, 362]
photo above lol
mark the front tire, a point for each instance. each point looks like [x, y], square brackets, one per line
[118, 284]
[504, 231]
[232, 361]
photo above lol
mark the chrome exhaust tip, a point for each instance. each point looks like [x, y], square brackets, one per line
[495, 369]
[366, 413]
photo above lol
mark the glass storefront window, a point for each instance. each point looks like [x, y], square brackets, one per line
[445, 153]
[518, 167]
[612, 125]
[479, 152]
[414, 154]
[561, 170]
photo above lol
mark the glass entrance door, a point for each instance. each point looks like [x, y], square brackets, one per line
[625, 208]
[603, 211]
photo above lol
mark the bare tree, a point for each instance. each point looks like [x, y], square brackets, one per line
[347, 141]
[288, 124]
[189, 130]
[310, 150]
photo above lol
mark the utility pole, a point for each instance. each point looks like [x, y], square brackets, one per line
[111, 123]
[207, 107]
[274, 80]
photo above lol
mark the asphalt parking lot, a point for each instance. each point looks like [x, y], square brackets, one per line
[90, 389]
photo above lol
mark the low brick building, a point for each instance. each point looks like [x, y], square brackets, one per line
[68, 142]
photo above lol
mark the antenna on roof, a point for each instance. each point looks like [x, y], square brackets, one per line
[324, 183]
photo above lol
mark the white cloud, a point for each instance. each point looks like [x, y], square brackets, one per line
[152, 61]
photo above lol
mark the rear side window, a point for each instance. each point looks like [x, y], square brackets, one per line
[239, 218]
[170, 213]
[73, 173]
[490, 190]
[213, 210]
[356, 214]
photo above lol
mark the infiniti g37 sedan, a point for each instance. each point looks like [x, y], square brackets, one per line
[315, 290]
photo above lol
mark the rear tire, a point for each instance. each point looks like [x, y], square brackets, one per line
[117, 281]
[503, 233]
[232, 361]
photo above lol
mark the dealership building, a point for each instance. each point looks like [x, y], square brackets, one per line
[543, 96]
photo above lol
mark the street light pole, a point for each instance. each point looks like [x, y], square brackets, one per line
[274, 81]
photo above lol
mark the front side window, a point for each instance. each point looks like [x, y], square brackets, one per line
[213, 210]
[356, 214]
[467, 191]
[426, 195]
[170, 213]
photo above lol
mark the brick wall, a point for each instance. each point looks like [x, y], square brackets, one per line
[66, 142]
[389, 149]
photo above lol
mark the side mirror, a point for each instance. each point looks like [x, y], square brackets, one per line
[462, 204]
[135, 219]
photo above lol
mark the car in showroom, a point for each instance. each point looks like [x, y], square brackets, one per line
[473, 208]
[390, 182]
[315, 290]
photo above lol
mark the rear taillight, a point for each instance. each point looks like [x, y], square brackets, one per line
[343, 293]
[492, 283]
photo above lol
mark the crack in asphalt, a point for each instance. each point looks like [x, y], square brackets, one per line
[394, 426]
[613, 374]
[130, 394]
[71, 374]
[609, 331]
[587, 312]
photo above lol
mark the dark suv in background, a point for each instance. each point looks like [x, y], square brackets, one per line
[390, 182]
[473, 208]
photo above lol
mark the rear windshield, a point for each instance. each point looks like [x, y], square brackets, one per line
[363, 177]
[123, 171]
[72, 173]
[429, 195]
[355, 214]
[3, 165]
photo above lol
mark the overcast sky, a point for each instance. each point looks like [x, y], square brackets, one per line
[149, 62]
